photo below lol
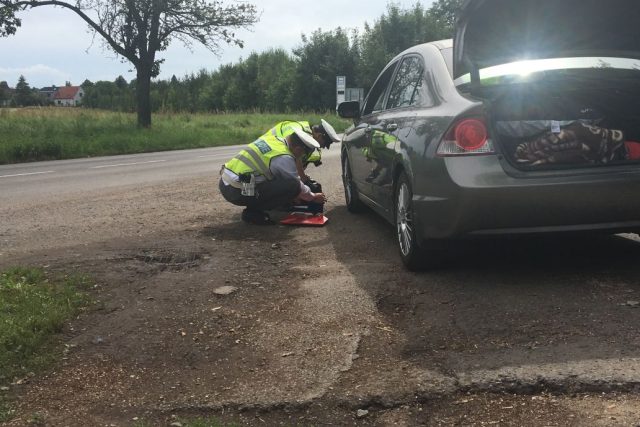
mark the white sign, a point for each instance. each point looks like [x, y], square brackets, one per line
[341, 86]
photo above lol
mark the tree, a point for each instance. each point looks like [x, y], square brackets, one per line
[86, 84]
[121, 82]
[4, 92]
[382, 41]
[23, 93]
[138, 29]
[322, 57]
[445, 12]
[275, 80]
[8, 22]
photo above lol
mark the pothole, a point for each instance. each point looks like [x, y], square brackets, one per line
[169, 258]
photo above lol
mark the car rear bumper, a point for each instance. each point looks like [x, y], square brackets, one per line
[476, 197]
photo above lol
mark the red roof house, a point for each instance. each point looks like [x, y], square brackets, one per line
[68, 96]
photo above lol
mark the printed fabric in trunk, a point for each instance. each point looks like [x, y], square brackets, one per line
[576, 143]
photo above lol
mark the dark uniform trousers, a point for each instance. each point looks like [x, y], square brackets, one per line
[269, 194]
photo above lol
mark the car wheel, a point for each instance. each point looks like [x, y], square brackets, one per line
[354, 204]
[414, 256]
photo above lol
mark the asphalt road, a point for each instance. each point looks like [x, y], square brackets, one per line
[38, 180]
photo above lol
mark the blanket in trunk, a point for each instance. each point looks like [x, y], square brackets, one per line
[574, 144]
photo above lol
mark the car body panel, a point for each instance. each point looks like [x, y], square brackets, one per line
[355, 141]
[473, 195]
[493, 32]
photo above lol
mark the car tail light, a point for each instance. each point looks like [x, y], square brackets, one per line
[466, 137]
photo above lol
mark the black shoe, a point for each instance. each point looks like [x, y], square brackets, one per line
[256, 217]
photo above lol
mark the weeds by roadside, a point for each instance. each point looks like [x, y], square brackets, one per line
[65, 133]
[33, 308]
[5, 408]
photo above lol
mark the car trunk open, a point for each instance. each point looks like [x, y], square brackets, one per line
[560, 79]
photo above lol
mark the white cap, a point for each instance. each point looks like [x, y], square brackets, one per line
[329, 130]
[308, 140]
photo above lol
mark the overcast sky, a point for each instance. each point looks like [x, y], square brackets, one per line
[53, 45]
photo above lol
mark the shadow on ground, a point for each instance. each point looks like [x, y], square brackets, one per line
[498, 302]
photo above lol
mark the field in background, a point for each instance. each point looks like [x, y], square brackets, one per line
[32, 134]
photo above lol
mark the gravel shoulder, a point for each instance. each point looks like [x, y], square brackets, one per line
[324, 327]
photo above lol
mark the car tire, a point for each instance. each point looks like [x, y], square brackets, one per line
[354, 204]
[416, 255]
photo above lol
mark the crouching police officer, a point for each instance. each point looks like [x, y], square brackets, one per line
[324, 134]
[263, 176]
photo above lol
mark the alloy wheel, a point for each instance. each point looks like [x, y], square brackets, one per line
[404, 220]
[346, 181]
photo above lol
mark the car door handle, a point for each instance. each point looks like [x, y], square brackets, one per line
[392, 126]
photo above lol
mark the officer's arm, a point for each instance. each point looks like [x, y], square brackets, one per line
[300, 168]
[285, 167]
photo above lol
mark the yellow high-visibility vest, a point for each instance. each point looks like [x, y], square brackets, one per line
[286, 128]
[256, 157]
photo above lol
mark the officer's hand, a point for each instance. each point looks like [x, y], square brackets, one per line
[319, 198]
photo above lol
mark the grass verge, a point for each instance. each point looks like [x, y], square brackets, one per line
[32, 134]
[33, 309]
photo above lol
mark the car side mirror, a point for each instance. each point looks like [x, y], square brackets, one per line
[349, 109]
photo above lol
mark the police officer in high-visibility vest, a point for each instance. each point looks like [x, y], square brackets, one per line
[263, 176]
[323, 133]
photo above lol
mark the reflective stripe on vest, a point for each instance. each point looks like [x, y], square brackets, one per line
[258, 162]
[256, 157]
[231, 182]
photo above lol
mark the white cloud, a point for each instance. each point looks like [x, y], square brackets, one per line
[59, 39]
[38, 72]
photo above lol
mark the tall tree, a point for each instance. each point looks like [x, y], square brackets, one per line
[274, 80]
[445, 12]
[121, 82]
[382, 41]
[4, 93]
[322, 57]
[86, 84]
[139, 29]
[23, 94]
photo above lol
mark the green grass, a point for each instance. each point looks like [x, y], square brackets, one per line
[32, 134]
[33, 309]
[5, 408]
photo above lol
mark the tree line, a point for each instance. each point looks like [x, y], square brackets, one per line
[281, 81]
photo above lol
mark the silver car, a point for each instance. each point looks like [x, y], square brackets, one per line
[527, 122]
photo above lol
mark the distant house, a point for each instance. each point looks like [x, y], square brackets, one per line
[48, 92]
[68, 96]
